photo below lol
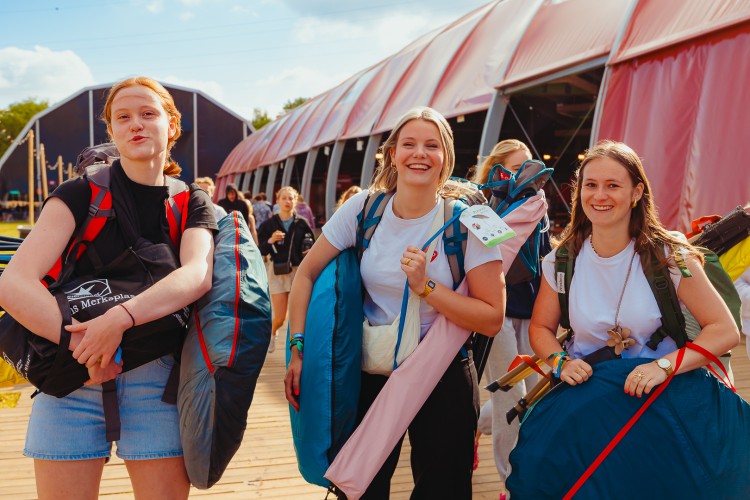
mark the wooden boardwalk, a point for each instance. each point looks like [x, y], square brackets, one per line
[265, 465]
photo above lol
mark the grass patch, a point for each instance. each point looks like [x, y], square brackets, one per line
[11, 228]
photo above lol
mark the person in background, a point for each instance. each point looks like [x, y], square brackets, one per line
[261, 209]
[348, 194]
[513, 338]
[742, 284]
[207, 184]
[303, 210]
[419, 157]
[66, 436]
[234, 201]
[247, 197]
[285, 238]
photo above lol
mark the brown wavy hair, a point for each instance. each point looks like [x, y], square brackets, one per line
[167, 102]
[650, 235]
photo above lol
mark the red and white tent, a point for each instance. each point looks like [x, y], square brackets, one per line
[674, 87]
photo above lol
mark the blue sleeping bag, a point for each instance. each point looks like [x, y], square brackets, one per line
[226, 345]
[692, 442]
[331, 368]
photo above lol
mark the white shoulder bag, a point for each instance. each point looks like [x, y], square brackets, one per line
[380, 343]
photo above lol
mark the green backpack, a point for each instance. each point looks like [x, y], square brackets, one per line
[676, 321]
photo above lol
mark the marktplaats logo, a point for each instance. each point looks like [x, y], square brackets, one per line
[93, 288]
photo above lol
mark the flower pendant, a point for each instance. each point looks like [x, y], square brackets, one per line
[619, 339]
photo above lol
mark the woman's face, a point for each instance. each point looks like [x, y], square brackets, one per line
[419, 154]
[607, 193]
[231, 195]
[286, 201]
[140, 127]
[514, 160]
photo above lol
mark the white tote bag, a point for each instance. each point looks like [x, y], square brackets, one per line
[379, 342]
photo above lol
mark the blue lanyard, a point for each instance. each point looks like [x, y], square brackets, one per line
[405, 299]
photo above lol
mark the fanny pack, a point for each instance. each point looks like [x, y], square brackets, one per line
[282, 268]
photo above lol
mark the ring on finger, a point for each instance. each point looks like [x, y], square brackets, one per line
[407, 261]
[639, 375]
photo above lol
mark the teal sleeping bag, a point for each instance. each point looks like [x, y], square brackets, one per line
[331, 368]
[692, 442]
[226, 345]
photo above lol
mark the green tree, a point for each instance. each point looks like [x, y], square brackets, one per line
[260, 118]
[14, 119]
[293, 103]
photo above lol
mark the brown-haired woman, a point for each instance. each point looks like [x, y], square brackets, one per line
[66, 436]
[614, 224]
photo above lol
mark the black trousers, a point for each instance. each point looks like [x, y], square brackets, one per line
[441, 436]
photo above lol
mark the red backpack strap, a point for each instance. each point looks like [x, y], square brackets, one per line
[100, 209]
[177, 209]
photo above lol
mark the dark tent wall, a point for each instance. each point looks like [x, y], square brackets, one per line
[209, 133]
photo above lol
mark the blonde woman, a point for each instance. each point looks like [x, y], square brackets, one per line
[418, 160]
[285, 238]
[513, 338]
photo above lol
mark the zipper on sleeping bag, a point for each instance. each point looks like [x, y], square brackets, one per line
[333, 360]
[238, 289]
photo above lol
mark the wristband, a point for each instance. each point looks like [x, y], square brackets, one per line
[126, 310]
[563, 353]
[298, 339]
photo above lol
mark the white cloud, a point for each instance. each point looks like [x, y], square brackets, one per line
[390, 33]
[41, 73]
[272, 92]
[209, 87]
[186, 16]
[243, 10]
[191, 2]
[155, 7]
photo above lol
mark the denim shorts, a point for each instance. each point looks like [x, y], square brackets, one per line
[72, 428]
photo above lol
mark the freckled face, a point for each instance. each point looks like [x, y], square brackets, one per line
[419, 155]
[140, 126]
[607, 193]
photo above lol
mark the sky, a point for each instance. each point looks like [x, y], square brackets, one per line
[245, 54]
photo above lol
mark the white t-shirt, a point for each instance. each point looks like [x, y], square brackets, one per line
[594, 293]
[380, 268]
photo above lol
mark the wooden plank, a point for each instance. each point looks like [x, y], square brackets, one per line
[265, 465]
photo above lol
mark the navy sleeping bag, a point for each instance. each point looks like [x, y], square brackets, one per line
[226, 345]
[331, 368]
[692, 442]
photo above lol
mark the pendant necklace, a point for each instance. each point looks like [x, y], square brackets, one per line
[619, 337]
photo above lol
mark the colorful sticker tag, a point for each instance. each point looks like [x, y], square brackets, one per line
[486, 225]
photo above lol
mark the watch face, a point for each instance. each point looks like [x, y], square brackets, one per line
[431, 283]
[664, 364]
